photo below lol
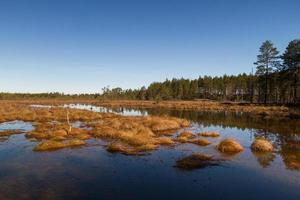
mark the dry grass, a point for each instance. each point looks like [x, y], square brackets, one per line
[10, 132]
[204, 105]
[262, 145]
[120, 148]
[209, 134]
[50, 145]
[182, 139]
[200, 142]
[52, 127]
[195, 161]
[164, 141]
[184, 136]
[229, 146]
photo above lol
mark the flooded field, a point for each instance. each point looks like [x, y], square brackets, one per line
[91, 172]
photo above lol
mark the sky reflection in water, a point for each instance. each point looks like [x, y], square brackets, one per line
[91, 172]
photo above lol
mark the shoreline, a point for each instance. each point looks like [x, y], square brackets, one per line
[265, 111]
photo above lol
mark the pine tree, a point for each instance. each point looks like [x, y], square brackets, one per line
[291, 61]
[266, 62]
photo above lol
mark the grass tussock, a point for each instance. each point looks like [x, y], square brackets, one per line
[200, 142]
[50, 145]
[164, 141]
[10, 132]
[195, 161]
[118, 147]
[184, 136]
[229, 146]
[261, 145]
[209, 134]
[53, 126]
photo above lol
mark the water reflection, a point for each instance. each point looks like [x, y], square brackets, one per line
[264, 159]
[93, 173]
[284, 133]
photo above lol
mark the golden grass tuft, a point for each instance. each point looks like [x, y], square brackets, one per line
[37, 135]
[229, 146]
[182, 139]
[146, 147]
[261, 145]
[122, 148]
[186, 134]
[160, 124]
[10, 132]
[59, 133]
[209, 134]
[200, 142]
[195, 161]
[75, 142]
[49, 145]
[53, 126]
[164, 141]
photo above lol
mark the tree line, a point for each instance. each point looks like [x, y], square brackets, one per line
[276, 80]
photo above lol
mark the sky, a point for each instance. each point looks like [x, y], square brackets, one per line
[81, 46]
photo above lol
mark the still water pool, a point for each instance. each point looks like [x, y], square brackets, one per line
[90, 172]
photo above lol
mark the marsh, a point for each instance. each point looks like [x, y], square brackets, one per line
[90, 171]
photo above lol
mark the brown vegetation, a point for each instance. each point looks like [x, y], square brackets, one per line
[10, 132]
[164, 141]
[200, 142]
[209, 134]
[52, 127]
[196, 160]
[203, 105]
[185, 136]
[262, 145]
[49, 145]
[229, 146]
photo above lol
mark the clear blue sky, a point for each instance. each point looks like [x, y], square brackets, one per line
[81, 46]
